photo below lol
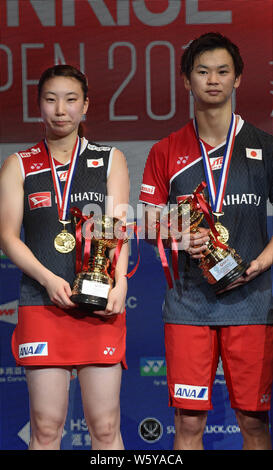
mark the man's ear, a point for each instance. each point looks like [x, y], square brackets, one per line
[237, 81]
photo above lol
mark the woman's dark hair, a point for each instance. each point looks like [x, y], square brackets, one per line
[209, 42]
[64, 71]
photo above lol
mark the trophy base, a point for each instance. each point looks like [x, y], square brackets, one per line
[89, 302]
[231, 276]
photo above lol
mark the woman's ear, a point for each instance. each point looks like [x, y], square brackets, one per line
[187, 83]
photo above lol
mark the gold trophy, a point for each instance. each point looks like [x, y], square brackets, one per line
[93, 283]
[220, 265]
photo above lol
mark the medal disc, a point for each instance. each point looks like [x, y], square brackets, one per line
[223, 232]
[64, 242]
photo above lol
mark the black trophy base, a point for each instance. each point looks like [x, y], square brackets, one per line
[89, 303]
[231, 276]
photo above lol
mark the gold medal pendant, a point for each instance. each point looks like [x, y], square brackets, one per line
[64, 242]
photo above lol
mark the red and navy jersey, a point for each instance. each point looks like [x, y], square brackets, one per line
[174, 168]
[41, 221]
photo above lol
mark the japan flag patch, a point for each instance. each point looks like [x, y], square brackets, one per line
[255, 154]
[95, 162]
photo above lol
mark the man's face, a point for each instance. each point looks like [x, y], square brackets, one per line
[212, 78]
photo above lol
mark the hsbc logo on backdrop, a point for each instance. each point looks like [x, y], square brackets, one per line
[150, 430]
[37, 200]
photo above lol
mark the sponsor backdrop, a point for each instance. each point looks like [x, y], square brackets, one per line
[123, 46]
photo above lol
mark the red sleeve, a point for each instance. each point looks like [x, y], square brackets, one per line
[33, 159]
[155, 182]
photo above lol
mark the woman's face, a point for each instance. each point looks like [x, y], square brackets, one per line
[62, 106]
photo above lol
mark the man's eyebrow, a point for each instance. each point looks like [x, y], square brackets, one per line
[206, 67]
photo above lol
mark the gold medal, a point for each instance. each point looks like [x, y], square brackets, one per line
[64, 242]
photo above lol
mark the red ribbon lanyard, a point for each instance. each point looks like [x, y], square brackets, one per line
[117, 253]
[118, 250]
[87, 244]
[163, 257]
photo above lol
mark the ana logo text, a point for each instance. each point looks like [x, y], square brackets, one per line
[190, 392]
[33, 349]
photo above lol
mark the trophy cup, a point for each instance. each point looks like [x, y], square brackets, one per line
[220, 265]
[93, 282]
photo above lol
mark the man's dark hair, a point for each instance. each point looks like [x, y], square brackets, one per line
[209, 42]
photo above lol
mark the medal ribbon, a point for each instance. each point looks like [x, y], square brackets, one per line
[217, 197]
[63, 197]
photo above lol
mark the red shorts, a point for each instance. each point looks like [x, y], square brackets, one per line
[192, 355]
[51, 336]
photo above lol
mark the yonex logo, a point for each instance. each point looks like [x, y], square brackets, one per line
[36, 166]
[190, 392]
[150, 366]
[33, 349]
[109, 350]
[182, 160]
[265, 398]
